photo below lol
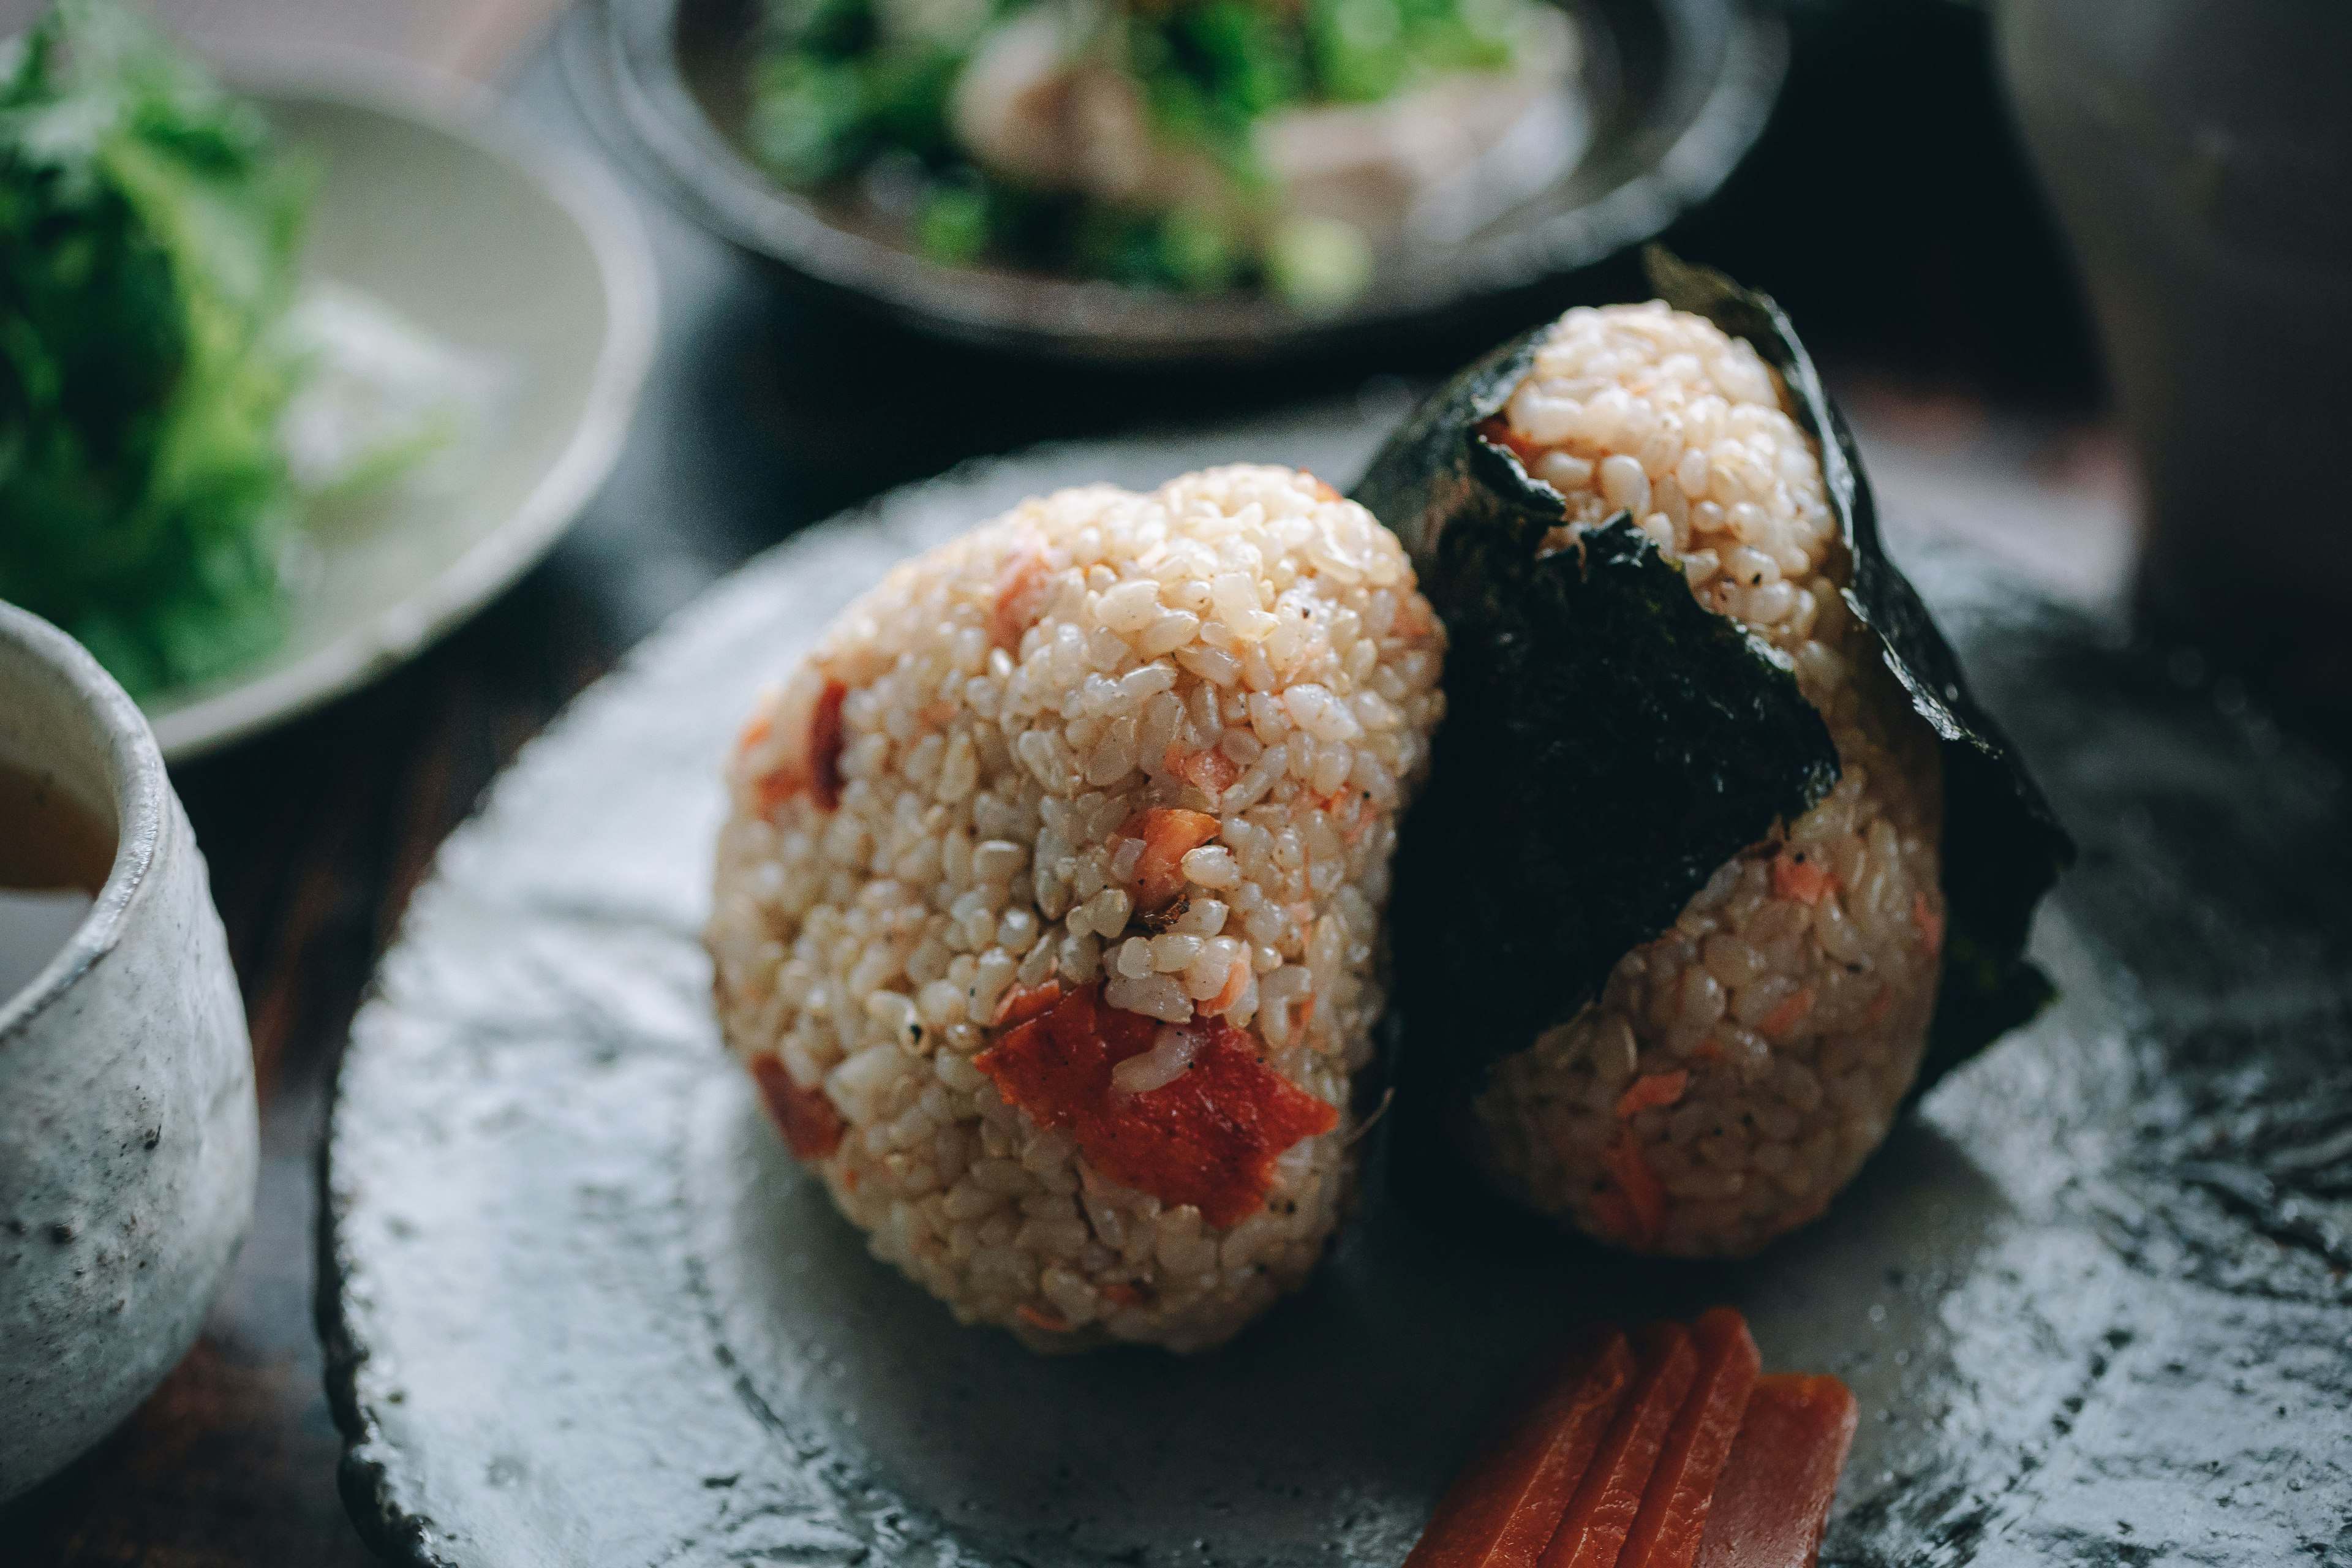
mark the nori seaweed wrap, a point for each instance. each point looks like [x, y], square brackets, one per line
[1719, 861]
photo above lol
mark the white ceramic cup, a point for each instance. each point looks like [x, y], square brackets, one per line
[128, 1144]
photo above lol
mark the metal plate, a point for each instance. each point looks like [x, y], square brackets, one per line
[1672, 92]
[582, 1308]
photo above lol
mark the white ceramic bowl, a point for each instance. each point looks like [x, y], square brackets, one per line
[128, 1145]
[526, 256]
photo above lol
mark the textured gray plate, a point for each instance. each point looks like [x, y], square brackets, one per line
[580, 1310]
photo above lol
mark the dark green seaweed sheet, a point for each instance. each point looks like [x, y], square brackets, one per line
[1610, 742]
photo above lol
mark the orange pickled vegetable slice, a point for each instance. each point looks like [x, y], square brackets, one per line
[1592, 1532]
[1666, 1532]
[1210, 770]
[1237, 980]
[1209, 1138]
[1773, 1500]
[1506, 1502]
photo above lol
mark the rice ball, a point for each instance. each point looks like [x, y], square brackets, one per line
[1735, 1070]
[1048, 911]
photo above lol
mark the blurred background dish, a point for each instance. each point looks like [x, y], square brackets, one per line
[2199, 155]
[1617, 123]
[452, 234]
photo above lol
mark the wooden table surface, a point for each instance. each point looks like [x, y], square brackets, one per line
[766, 412]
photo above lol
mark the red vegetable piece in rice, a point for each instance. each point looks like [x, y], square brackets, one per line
[824, 747]
[1929, 920]
[1021, 586]
[1780, 1020]
[1169, 834]
[1634, 1205]
[1652, 1089]
[1209, 1139]
[1212, 770]
[1806, 881]
[1237, 980]
[810, 1126]
[1044, 1318]
[1023, 1003]
[815, 767]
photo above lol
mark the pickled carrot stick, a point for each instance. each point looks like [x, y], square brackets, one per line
[1666, 1532]
[1507, 1500]
[1592, 1532]
[1773, 1501]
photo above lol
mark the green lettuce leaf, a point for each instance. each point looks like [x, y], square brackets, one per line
[148, 231]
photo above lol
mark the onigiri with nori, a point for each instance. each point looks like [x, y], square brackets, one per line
[1719, 861]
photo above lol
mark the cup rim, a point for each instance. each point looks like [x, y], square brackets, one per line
[135, 778]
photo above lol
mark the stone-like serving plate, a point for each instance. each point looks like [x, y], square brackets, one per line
[582, 1309]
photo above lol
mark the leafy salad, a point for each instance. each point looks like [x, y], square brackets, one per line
[1163, 144]
[148, 230]
[172, 397]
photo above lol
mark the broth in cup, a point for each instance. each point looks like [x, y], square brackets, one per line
[54, 859]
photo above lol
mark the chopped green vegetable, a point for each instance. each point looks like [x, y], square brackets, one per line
[953, 228]
[148, 227]
[1318, 264]
[1196, 250]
